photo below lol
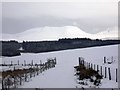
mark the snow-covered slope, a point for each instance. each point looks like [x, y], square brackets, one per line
[110, 33]
[48, 33]
[54, 33]
[62, 76]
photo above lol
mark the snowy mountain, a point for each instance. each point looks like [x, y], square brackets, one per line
[110, 33]
[54, 33]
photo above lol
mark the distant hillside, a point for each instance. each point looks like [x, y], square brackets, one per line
[54, 33]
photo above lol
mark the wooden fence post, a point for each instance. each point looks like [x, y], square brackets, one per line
[105, 72]
[11, 63]
[54, 63]
[3, 83]
[15, 82]
[32, 63]
[109, 73]
[24, 63]
[14, 68]
[34, 71]
[18, 62]
[101, 69]
[116, 75]
[79, 61]
[91, 66]
[94, 67]
[46, 65]
[37, 70]
[50, 64]
[43, 66]
[97, 67]
[20, 80]
[25, 76]
[8, 83]
[104, 59]
[55, 60]
[31, 70]
[40, 66]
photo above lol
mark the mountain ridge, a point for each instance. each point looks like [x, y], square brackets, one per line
[55, 33]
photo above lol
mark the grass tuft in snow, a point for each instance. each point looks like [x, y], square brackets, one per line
[88, 73]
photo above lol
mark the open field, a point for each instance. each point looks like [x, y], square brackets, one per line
[64, 71]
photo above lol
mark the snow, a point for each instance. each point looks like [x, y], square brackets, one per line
[110, 33]
[54, 33]
[62, 76]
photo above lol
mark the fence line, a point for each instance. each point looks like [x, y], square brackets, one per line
[103, 70]
[17, 76]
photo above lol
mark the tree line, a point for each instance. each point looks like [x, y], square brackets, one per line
[12, 48]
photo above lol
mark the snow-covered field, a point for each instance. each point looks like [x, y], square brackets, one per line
[62, 76]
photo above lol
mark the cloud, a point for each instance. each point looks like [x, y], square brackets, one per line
[89, 25]
[61, 9]
[92, 17]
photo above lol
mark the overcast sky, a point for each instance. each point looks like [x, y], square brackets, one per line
[91, 17]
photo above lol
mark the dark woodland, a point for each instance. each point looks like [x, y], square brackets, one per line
[12, 48]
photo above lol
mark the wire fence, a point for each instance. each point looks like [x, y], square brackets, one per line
[107, 72]
[20, 73]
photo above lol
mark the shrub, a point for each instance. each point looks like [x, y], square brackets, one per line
[89, 73]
